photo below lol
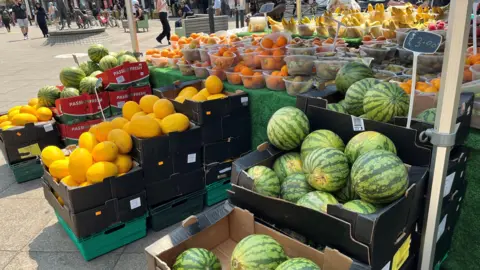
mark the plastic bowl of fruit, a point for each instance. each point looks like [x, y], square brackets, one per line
[274, 82]
[250, 60]
[301, 49]
[405, 57]
[172, 63]
[325, 48]
[376, 51]
[204, 57]
[305, 30]
[401, 34]
[222, 62]
[270, 62]
[397, 69]
[275, 36]
[200, 72]
[372, 42]
[430, 63]
[328, 69]
[255, 81]
[185, 69]
[191, 55]
[217, 72]
[384, 75]
[300, 64]
[298, 84]
[352, 32]
[233, 77]
[388, 33]
[160, 62]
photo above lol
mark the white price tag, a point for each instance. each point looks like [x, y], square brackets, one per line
[135, 203]
[120, 79]
[357, 124]
[120, 104]
[448, 184]
[461, 174]
[441, 227]
[225, 170]
[192, 158]
[387, 266]
[244, 101]
[48, 127]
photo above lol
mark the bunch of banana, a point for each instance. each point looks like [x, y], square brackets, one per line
[305, 20]
[377, 14]
[272, 21]
[350, 20]
[389, 28]
[350, 32]
[322, 29]
[290, 25]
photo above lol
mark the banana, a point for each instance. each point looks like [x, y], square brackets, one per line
[338, 10]
[370, 8]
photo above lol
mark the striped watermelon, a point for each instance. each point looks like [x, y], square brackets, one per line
[317, 200]
[47, 96]
[108, 62]
[89, 67]
[355, 94]
[96, 52]
[95, 73]
[321, 138]
[287, 164]
[69, 92]
[326, 169]
[87, 85]
[384, 101]
[298, 264]
[287, 128]
[379, 176]
[346, 193]
[367, 141]
[197, 258]
[257, 251]
[351, 73]
[294, 187]
[360, 206]
[126, 58]
[265, 181]
[364, 116]
[428, 115]
[336, 107]
[71, 76]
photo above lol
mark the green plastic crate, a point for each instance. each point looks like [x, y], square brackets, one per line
[27, 170]
[217, 191]
[110, 239]
[176, 210]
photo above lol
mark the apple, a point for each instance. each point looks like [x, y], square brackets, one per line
[432, 27]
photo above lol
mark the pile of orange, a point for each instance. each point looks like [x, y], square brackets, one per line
[251, 79]
[276, 80]
[432, 87]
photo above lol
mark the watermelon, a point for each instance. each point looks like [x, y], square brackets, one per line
[257, 251]
[360, 206]
[114, 54]
[47, 96]
[265, 181]
[428, 115]
[346, 193]
[95, 73]
[367, 141]
[385, 101]
[326, 169]
[351, 73]
[287, 128]
[96, 52]
[294, 187]
[89, 67]
[108, 62]
[321, 138]
[197, 258]
[71, 76]
[379, 177]
[123, 52]
[87, 85]
[364, 116]
[355, 94]
[317, 200]
[298, 264]
[336, 107]
[69, 92]
[287, 164]
[126, 58]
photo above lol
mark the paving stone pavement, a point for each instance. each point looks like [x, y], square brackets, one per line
[30, 236]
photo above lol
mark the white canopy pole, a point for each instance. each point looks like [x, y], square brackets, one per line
[132, 26]
[299, 10]
[445, 123]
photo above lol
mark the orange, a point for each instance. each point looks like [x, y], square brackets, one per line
[214, 85]
[235, 78]
[421, 86]
[406, 87]
[246, 71]
[267, 53]
[182, 41]
[281, 41]
[164, 53]
[267, 43]
[430, 89]
[228, 54]
[278, 53]
[171, 55]
[436, 83]
[467, 75]
[238, 68]
[275, 73]
[284, 69]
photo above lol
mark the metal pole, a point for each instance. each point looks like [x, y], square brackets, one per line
[132, 26]
[210, 16]
[299, 10]
[445, 123]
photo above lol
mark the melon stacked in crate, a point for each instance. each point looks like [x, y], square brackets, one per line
[224, 119]
[97, 190]
[24, 131]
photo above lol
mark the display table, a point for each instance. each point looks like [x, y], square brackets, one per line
[160, 77]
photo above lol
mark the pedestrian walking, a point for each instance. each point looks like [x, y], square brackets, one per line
[52, 11]
[6, 19]
[162, 8]
[20, 13]
[42, 17]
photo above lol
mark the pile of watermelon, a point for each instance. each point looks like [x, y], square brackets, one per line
[364, 174]
[256, 251]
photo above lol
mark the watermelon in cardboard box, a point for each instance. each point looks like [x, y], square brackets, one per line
[139, 74]
[71, 110]
[116, 79]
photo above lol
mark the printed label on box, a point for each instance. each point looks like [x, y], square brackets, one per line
[29, 151]
[117, 100]
[136, 93]
[73, 132]
[135, 203]
[244, 101]
[441, 227]
[139, 74]
[448, 184]
[357, 124]
[48, 127]
[192, 158]
[71, 110]
[94, 103]
[402, 254]
[117, 78]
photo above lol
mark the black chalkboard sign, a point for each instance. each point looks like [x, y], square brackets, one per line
[422, 42]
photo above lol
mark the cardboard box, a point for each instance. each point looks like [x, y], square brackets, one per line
[117, 99]
[139, 74]
[71, 133]
[100, 217]
[136, 93]
[217, 171]
[207, 111]
[237, 124]
[22, 143]
[226, 149]
[79, 109]
[219, 229]
[116, 79]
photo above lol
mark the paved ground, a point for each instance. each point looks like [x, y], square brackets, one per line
[30, 236]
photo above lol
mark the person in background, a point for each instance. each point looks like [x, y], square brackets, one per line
[42, 17]
[51, 11]
[217, 6]
[6, 19]
[20, 13]
[186, 10]
[162, 9]
[138, 12]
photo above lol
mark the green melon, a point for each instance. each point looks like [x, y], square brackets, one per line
[317, 200]
[321, 138]
[96, 52]
[294, 187]
[47, 96]
[89, 67]
[108, 62]
[257, 251]
[287, 128]
[360, 206]
[346, 193]
[123, 52]
[287, 164]
[265, 181]
[326, 169]
[364, 116]
[95, 73]
[337, 107]
[69, 92]
[126, 58]
[71, 77]
[367, 141]
[114, 54]
[298, 264]
[428, 115]
[197, 259]
[379, 177]
[351, 73]
[385, 101]
[87, 85]
[355, 94]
